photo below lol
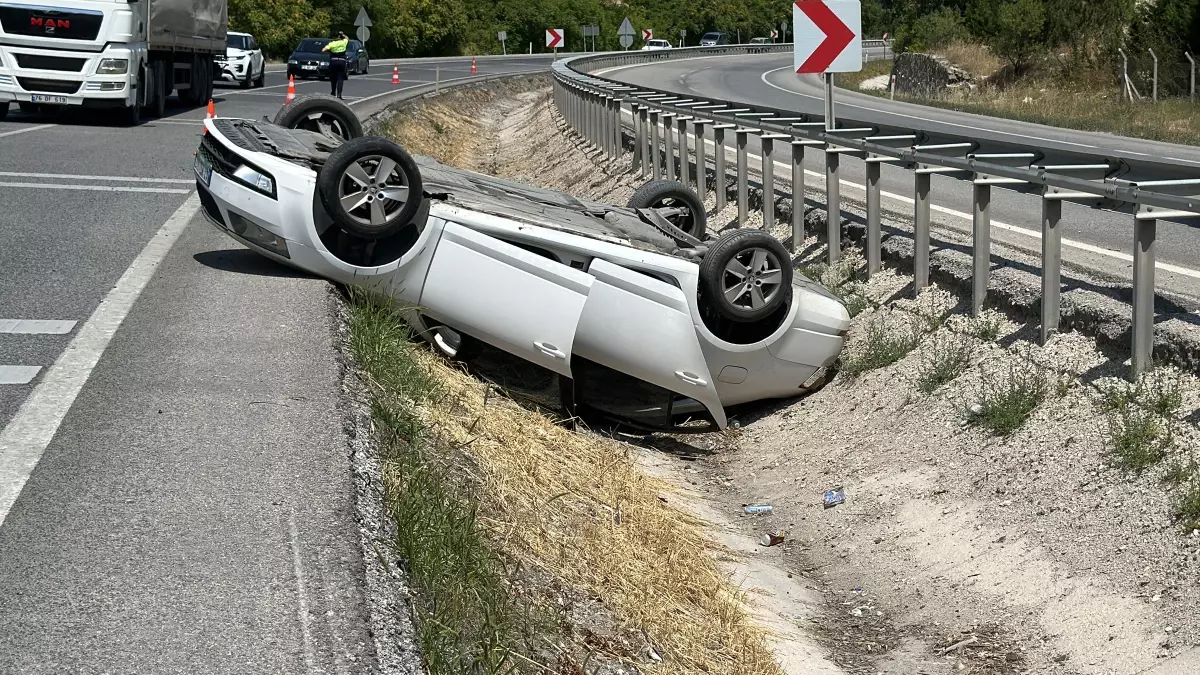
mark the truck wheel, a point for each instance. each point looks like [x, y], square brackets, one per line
[746, 275]
[322, 114]
[675, 202]
[371, 187]
[209, 81]
[157, 104]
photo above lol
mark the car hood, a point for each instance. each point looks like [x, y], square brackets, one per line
[310, 56]
[471, 190]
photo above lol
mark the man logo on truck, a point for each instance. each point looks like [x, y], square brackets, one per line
[50, 24]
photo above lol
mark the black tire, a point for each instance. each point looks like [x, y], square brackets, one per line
[672, 194]
[262, 77]
[743, 244]
[3, 111]
[336, 117]
[157, 106]
[366, 66]
[332, 177]
[249, 81]
[209, 81]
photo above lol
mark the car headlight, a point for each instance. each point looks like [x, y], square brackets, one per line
[292, 62]
[255, 179]
[113, 67]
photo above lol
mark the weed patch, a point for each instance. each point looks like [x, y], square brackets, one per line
[1008, 398]
[885, 343]
[945, 358]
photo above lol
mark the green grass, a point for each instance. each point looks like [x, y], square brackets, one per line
[466, 617]
[883, 346]
[1008, 398]
[945, 359]
[1135, 439]
[987, 327]
[1187, 505]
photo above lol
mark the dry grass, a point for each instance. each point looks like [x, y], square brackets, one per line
[578, 507]
[437, 129]
[973, 58]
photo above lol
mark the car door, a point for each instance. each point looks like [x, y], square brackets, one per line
[642, 326]
[504, 295]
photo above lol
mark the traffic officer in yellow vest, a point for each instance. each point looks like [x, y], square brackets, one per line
[337, 63]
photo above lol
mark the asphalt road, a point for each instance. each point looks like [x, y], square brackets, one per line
[1096, 239]
[175, 493]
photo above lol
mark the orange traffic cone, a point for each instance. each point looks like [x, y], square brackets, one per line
[396, 73]
[291, 94]
[211, 113]
[473, 71]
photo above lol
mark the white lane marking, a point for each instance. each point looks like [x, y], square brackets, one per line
[30, 431]
[915, 117]
[36, 326]
[113, 179]
[17, 375]
[301, 592]
[97, 188]
[783, 169]
[26, 130]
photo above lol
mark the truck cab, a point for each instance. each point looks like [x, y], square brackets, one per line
[113, 54]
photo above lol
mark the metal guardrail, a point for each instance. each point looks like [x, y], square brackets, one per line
[1148, 190]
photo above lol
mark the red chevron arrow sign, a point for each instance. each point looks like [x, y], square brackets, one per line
[827, 35]
[554, 37]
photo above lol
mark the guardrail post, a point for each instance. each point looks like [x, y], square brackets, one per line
[797, 196]
[1192, 86]
[1051, 265]
[833, 203]
[743, 190]
[768, 176]
[1145, 232]
[701, 169]
[590, 114]
[644, 139]
[639, 137]
[719, 159]
[982, 246]
[683, 151]
[921, 230]
[655, 157]
[605, 126]
[873, 217]
[669, 138]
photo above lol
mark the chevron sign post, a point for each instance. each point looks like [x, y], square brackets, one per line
[828, 39]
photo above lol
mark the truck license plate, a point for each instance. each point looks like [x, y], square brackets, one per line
[41, 98]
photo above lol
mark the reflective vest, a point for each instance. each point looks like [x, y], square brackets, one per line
[338, 46]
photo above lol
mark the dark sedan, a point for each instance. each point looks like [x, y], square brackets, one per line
[307, 60]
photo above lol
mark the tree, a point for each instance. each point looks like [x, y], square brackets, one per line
[1019, 32]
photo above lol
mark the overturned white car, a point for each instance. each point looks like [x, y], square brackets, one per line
[636, 314]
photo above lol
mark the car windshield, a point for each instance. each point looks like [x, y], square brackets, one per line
[237, 42]
[311, 45]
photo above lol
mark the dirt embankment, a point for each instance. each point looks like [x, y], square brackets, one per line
[1010, 507]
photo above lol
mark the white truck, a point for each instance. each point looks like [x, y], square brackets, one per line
[127, 55]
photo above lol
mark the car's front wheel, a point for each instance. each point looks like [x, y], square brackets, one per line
[677, 203]
[320, 113]
[746, 275]
[371, 187]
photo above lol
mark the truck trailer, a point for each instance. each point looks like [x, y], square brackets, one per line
[126, 56]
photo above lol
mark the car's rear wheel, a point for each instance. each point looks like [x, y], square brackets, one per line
[322, 114]
[371, 187]
[746, 275]
[677, 203]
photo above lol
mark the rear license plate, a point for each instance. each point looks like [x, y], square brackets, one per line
[203, 168]
[42, 98]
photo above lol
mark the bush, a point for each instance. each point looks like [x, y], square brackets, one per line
[945, 359]
[883, 346]
[1008, 398]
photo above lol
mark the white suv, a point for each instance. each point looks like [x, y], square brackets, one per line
[243, 62]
